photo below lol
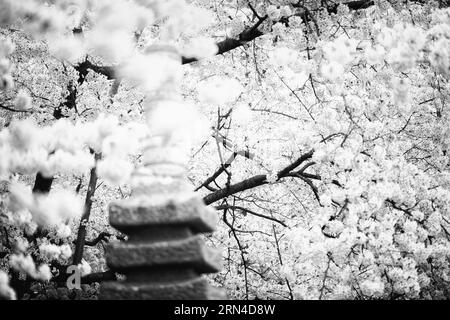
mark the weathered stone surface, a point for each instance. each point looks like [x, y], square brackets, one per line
[191, 212]
[196, 289]
[191, 252]
[163, 257]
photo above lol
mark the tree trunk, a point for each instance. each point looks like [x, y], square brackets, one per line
[81, 237]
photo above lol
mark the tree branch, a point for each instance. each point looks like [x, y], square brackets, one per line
[229, 44]
[225, 207]
[352, 5]
[102, 236]
[42, 184]
[241, 250]
[12, 109]
[226, 45]
[99, 277]
[81, 237]
[254, 181]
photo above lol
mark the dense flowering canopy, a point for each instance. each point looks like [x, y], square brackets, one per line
[318, 129]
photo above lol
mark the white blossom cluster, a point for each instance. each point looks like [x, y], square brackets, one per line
[110, 26]
[5, 290]
[6, 80]
[25, 264]
[276, 12]
[200, 48]
[339, 54]
[403, 46]
[22, 101]
[51, 251]
[59, 148]
[391, 244]
[111, 33]
[439, 55]
[219, 90]
[47, 211]
[63, 147]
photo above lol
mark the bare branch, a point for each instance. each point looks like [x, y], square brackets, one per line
[225, 206]
[12, 109]
[254, 181]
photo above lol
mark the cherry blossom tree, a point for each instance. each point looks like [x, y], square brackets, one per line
[318, 130]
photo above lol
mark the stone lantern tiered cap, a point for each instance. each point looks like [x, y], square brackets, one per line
[165, 254]
[186, 210]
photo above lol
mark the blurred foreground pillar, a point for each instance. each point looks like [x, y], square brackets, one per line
[165, 255]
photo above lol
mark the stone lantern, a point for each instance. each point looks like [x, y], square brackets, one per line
[165, 254]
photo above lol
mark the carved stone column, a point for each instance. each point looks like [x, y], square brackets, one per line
[165, 255]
